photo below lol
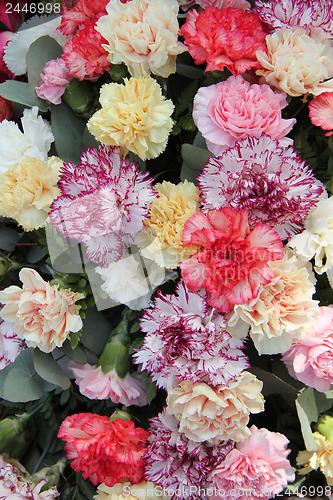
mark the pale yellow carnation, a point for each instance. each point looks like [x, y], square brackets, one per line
[135, 116]
[143, 35]
[317, 238]
[162, 238]
[283, 310]
[297, 63]
[144, 490]
[216, 414]
[322, 458]
[43, 315]
[28, 189]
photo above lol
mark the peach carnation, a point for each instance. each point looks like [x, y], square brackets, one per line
[310, 360]
[283, 311]
[143, 35]
[162, 238]
[297, 63]
[43, 315]
[321, 458]
[135, 116]
[321, 111]
[224, 38]
[234, 109]
[216, 414]
[28, 189]
[257, 465]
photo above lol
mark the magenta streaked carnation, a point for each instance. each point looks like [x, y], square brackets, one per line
[270, 181]
[94, 384]
[10, 344]
[316, 16]
[256, 469]
[103, 203]
[232, 261]
[234, 109]
[176, 463]
[185, 338]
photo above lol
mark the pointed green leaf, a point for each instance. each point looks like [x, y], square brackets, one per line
[307, 412]
[40, 52]
[49, 370]
[17, 92]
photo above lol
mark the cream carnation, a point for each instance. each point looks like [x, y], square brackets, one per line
[135, 116]
[143, 35]
[35, 140]
[321, 458]
[284, 310]
[43, 315]
[297, 63]
[162, 238]
[317, 238]
[216, 414]
[28, 189]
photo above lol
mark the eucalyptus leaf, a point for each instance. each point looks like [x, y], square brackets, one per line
[307, 412]
[8, 238]
[21, 386]
[68, 130]
[16, 91]
[272, 383]
[96, 331]
[35, 254]
[194, 160]
[49, 370]
[76, 354]
[40, 52]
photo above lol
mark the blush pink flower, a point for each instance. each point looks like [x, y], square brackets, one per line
[257, 468]
[84, 54]
[55, 79]
[104, 451]
[187, 339]
[271, 181]
[234, 109]
[103, 203]
[94, 384]
[314, 15]
[321, 111]
[310, 360]
[232, 261]
[176, 463]
[224, 38]
[84, 10]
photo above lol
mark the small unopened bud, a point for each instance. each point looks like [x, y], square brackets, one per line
[77, 96]
[120, 414]
[118, 72]
[325, 427]
[51, 474]
[10, 430]
[4, 266]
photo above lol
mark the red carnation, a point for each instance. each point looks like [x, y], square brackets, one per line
[104, 451]
[223, 38]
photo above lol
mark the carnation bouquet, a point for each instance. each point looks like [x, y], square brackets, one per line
[166, 249]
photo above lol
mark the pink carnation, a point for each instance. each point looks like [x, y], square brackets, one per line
[321, 111]
[84, 10]
[103, 203]
[256, 469]
[310, 360]
[234, 109]
[272, 182]
[55, 79]
[185, 338]
[176, 463]
[94, 384]
[84, 55]
[232, 261]
[224, 38]
[314, 15]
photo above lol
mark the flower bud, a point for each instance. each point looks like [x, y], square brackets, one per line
[10, 430]
[120, 414]
[118, 72]
[51, 474]
[116, 352]
[325, 427]
[4, 266]
[77, 97]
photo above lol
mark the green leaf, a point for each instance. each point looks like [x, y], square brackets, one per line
[67, 129]
[96, 331]
[40, 52]
[16, 91]
[75, 338]
[8, 238]
[185, 100]
[76, 354]
[272, 383]
[307, 412]
[35, 254]
[18, 381]
[49, 370]
[148, 385]
[189, 71]
[194, 160]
